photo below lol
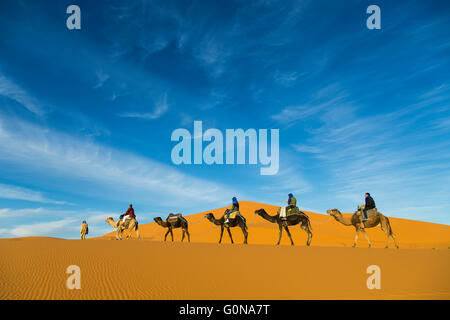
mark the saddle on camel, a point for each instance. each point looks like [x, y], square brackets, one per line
[285, 212]
[174, 217]
[291, 209]
[124, 219]
[231, 215]
[373, 212]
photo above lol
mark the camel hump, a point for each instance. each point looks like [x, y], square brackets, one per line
[370, 213]
[175, 216]
[232, 214]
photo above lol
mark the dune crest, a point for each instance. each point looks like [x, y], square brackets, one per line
[326, 231]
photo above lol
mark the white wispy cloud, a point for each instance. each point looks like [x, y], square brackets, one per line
[306, 148]
[317, 103]
[102, 77]
[160, 109]
[51, 153]
[286, 78]
[48, 229]
[15, 213]
[11, 90]
[19, 193]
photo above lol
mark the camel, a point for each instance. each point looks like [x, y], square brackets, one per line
[292, 220]
[238, 221]
[373, 221]
[130, 225]
[173, 223]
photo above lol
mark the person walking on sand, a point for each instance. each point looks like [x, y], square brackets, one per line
[84, 230]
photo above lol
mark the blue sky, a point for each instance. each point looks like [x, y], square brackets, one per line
[86, 115]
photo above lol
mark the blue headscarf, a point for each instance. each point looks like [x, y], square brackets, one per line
[235, 200]
[290, 195]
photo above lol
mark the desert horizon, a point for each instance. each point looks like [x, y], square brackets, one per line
[149, 268]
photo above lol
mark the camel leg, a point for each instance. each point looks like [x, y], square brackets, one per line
[229, 232]
[367, 237]
[395, 240]
[221, 234]
[306, 229]
[386, 227]
[356, 238]
[279, 237]
[138, 235]
[390, 234]
[130, 231]
[189, 236]
[289, 234]
[165, 236]
[245, 233]
[171, 233]
[182, 237]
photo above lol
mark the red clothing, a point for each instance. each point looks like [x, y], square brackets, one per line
[130, 212]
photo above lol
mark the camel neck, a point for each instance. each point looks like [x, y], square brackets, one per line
[268, 217]
[112, 223]
[345, 221]
[216, 221]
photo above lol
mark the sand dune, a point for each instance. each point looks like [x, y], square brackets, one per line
[326, 231]
[34, 268]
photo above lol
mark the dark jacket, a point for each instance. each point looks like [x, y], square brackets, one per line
[370, 203]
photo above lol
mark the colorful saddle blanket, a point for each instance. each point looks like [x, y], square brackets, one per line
[286, 211]
[234, 214]
[174, 217]
[370, 212]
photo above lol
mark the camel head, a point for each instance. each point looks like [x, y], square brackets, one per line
[158, 220]
[210, 216]
[109, 219]
[259, 211]
[334, 213]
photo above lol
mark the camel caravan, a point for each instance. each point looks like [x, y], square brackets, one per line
[366, 216]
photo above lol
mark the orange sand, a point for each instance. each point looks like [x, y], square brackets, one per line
[326, 231]
[34, 268]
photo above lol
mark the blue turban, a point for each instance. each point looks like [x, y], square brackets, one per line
[235, 200]
[290, 195]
